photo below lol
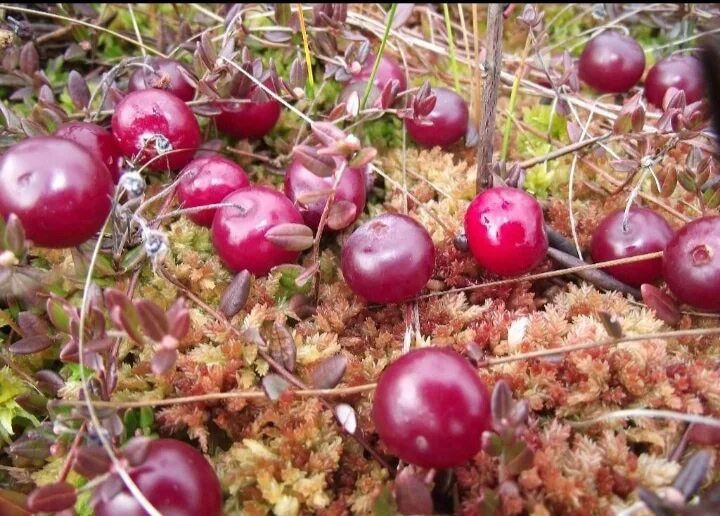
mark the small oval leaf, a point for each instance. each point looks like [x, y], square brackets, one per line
[153, 319]
[274, 386]
[341, 214]
[236, 294]
[91, 461]
[663, 305]
[412, 495]
[29, 345]
[328, 373]
[52, 498]
[163, 360]
[293, 237]
[78, 90]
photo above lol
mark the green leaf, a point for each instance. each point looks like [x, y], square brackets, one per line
[147, 418]
[384, 504]
[5, 319]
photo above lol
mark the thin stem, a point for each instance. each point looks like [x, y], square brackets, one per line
[368, 88]
[451, 45]
[136, 28]
[513, 97]
[493, 66]
[306, 46]
[650, 413]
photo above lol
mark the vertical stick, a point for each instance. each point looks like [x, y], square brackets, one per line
[493, 66]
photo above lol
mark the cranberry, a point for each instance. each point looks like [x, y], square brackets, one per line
[99, 142]
[389, 259]
[691, 264]
[431, 408]
[612, 62]
[239, 236]
[448, 121]
[248, 119]
[164, 74]
[208, 180]
[299, 182]
[61, 192]
[388, 69]
[175, 478]
[647, 232]
[682, 72]
[148, 121]
[506, 231]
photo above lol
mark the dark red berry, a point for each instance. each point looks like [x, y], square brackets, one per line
[248, 119]
[301, 184]
[682, 72]
[148, 122]
[97, 141]
[447, 121]
[239, 234]
[612, 63]
[388, 69]
[431, 408]
[163, 74]
[208, 180]
[60, 192]
[175, 478]
[505, 229]
[647, 232]
[691, 264]
[389, 259]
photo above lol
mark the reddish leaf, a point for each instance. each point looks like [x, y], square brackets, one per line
[274, 386]
[236, 294]
[323, 166]
[52, 498]
[704, 434]
[402, 14]
[293, 237]
[412, 495]
[136, 450]
[327, 133]
[49, 381]
[178, 317]
[363, 157]
[501, 404]
[163, 360]
[29, 59]
[31, 324]
[312, 196]
[30, 345]
[663, 305]
[153, 319]
[328, 373]
[307, 275]
[13, 503]
[91, 461]
[102, 345]
[78, 90]
[122, 322]
[341, 214]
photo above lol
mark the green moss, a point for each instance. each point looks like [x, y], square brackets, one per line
[10, 388]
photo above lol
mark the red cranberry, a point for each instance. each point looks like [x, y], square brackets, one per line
[165, 75]
[448, 121]
[647, 232]
[61, 192]
[506, 231]
[208, 180]
[175, 478]
[691, 264]
[389, 259]
[300, 182]
[682, 72]
[148, 121]
[99, 142]
[248, 119]
[388, 69]
[239, 236]
[612, 63]
[431, 408]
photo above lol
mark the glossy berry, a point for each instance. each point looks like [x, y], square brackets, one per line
[647, 232]
[431, 408]
[239, 236]
[146, 122]
[163, 74]
[448, 121]
[389, 259]
[175, 478]
[388, 69]
[60, 192]
[682, 72]
[247, 119]
[301, 182]
[505, 230]
[691, 264]
[208, 180]
[97, 141]
[612, 63]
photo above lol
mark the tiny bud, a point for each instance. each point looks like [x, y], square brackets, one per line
[133, 183]
[355, 67]
[8, 259]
